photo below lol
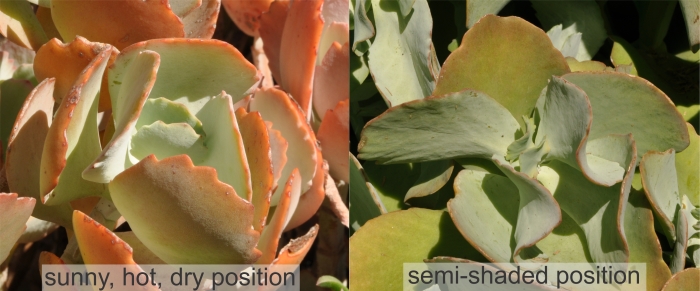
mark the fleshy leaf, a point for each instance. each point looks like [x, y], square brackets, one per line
[583, 17]
[161, 109]
[486, 201]
[270, 236]
[688, 279]
[331, 80]
[119, 23]
[26, 143]
[295, 251]
[271, 30]
[416, 131]
[476, 9]
[566, 117]
[538, 212]
[285, 115]
[298, 49]
[363, 27]
[99, 246]
[335, 141]
[36, 229]
[598, 210]
[220, 222]
[311, 200]
[520, 53]
[610, 92]
[398, 58]
[643, 243]
[223, 139]
[688, 167]
[365, 204]
[256, 141]
[167, 140]
[65, 62]
[658, 171]
[73, 139]
[433, 176]
[127, 106]
[14, 92]
[14, 213]
[691, 14]
[188, 80]
[383, 244]
[201, 22]
[246, 14]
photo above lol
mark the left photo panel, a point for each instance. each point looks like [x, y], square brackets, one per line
[174, 144]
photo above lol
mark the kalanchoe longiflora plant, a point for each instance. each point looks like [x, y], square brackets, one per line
[550, 154]
[195, 152]
[106, 135]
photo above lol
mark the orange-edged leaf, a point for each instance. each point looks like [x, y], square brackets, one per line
[201, 22]
[256, 141]
[310, 200]
[331, 81]
[119, 23]
[65, 62]
[298, 50]
[688, 279]
[292, 254]
[285, 115]
[295, 251]
[73, 138]
[271, 30]
[47, 258]
[278, 150]
[339, 207]
[335, 140]
[283, 213]
[14, 212]
[184, 214]
[126, 108]
[246, 13]
[25, 145]
[99, 246]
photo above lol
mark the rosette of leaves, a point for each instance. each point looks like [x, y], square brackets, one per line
[193, 157]
[549, 152]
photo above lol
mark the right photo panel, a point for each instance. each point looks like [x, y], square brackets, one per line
[524, 145]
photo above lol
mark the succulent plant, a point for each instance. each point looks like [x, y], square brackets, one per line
[545, 155]
[128, 121]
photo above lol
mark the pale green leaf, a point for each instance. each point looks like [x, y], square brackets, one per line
[691, 14]
[433, 176]
[476, 9]
[399, 56]
[625, 104]
[474, 124]
[365, 204]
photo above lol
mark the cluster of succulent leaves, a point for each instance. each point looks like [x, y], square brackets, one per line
[128, 111]
[552, 139]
